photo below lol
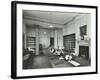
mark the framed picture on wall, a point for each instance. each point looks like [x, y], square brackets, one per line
[83, 30]
[46, 39]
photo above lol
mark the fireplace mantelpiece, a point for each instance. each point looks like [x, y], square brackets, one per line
[83, 42]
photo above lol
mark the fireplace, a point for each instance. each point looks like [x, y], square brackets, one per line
[84, 52]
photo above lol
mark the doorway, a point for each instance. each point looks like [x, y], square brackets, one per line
[51, 41]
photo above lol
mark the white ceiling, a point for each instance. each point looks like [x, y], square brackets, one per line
[48, 17]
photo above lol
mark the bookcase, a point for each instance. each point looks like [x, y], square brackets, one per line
[69, 41]
[31, 42]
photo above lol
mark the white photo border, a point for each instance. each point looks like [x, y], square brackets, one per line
[17, 70]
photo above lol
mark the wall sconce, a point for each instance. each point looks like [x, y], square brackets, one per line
[44, 32]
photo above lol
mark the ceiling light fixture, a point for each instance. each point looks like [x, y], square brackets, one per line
[51, 26]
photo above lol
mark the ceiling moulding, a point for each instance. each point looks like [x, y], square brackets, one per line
[30, 18]
[71, 20]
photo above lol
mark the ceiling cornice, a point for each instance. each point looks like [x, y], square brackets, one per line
[31, 18]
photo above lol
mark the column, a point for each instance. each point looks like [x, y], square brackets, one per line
[56, 39]
[37, 39]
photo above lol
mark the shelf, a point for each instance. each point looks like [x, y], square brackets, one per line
[31, 42]
[69, 41]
